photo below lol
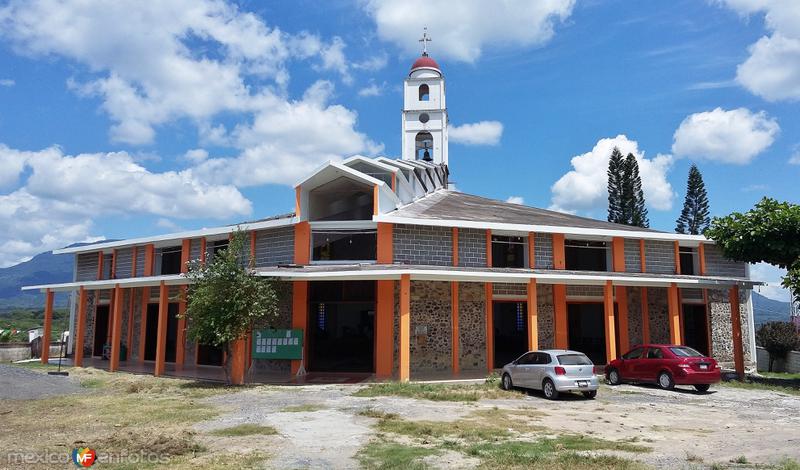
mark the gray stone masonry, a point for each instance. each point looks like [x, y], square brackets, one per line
[419, 244]
[274, 247]
[633, 256]
[659, 257]
[471, 247]
[543, 250]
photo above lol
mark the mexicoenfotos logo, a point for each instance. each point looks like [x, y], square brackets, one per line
[84, 457]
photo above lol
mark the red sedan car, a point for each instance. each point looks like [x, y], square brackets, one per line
[666, 365]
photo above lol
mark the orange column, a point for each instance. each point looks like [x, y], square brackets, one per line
[489, 327]
[297, 201]
[161, 336]
[642, 257]
[134, 255]
[80, 328]
[701, 255]
[302, 243]
[489, 248]
[405, 328]
[203, 250]
[560, 294]
[116, 329]
[532, 250]
[143, 322]
[608, 304]
[677, 258]
[618, 254]
[455, 341]
[384, 329]
[674, 314]
[186, 249]
[149, 258]
[99, 265]
[736, 331]
[113, 274]
[375, 200]
[180, 347]
[238, 359]
[645, 316]
[129, 330]
[394, 182]
[300, 318]
[385, 253]
[533, 317]
[454, 239]
[48, 325]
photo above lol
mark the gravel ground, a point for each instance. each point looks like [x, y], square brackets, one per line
[19, 383]
[685, 429]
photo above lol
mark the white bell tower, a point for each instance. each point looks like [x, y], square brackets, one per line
[424, 110]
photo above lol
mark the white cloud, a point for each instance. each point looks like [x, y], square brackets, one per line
[461, 30]
[515, 200]
[772, 70]
[62, 193]
[728, 136]
[373, 89]
[196, 155]
[585, 187]
[7, 82]
[772, 276]
[168, 224]
[479, 133]
[795, 158]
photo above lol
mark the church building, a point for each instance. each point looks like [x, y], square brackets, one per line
[391, 273]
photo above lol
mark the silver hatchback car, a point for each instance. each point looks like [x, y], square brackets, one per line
[552, 371]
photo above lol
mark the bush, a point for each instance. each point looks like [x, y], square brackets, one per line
[778, 338]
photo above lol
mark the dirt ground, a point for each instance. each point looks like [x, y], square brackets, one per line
[684, 429]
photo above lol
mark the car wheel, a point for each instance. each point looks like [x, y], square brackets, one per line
[702, 388]
[590, 395]
[613, 377]
[505, 382]
[665, 381]
[549, 389]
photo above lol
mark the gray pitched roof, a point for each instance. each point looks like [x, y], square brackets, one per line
[453, 205]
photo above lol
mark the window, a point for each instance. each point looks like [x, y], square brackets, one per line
[585, 255]
[543, 358]
[635, 354]
[424, 117]
[654, 353]
[508, 252]
[687, 258]
[574, 360]
[171, 260]
[424, 146]
[344, 245]
[220, 245]
[683, 351]
[527, 358]
[424, 92]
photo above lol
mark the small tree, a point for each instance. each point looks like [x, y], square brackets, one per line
[634, 211]
[694, 217]
[615, 186]
[226, 298]
[778, 338]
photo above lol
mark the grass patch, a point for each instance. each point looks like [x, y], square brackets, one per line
[436, 392]
[377, 414]
[763, 386]
[246, 429]
[381, 455]
[544, 454]
[305, 408]
[780, 375]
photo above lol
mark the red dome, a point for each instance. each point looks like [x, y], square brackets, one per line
[425, 62]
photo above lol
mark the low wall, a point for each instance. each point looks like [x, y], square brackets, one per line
[10, 352]
[791, 363]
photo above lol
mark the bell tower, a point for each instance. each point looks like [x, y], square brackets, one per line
[424, 110]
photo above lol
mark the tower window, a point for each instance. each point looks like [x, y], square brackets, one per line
[424, 146]
[423, 118]
[424, 92]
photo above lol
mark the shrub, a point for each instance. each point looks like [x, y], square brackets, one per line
[778, 338]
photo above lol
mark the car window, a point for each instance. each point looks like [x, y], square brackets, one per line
[574, 360]
[543, 358]
[527, 358]
[635, 354]
[684, 351]
[654, 353]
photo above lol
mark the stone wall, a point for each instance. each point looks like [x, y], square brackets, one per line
[471, 247]
[543, 250]
[420, 244]
[88, 336]
[431, 326]
[634, 316]
[721, 329]
[472, 325]
[274, 247]
[546, 316]
[659, 257]
[790, 363]
[658, 314]
[633, 256]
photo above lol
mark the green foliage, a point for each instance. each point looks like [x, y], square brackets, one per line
[694, 217]
[226, 297]
[625, 196]
[769, 232]
[615, 186]
[778, 338]
[21, 320]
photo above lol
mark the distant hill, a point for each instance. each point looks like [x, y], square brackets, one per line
[766, 309]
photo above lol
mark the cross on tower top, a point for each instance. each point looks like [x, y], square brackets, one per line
[425, 40]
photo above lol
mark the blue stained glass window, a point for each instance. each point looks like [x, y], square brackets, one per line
[520, 316]
[321, 317]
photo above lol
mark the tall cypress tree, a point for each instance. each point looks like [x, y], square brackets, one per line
[694, 217]
[634, 211]
[615, 165]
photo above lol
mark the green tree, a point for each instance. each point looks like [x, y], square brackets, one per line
[634, 211]
[226, 298]
[615, 164]
[769, 233]
[694, 217]
[778, 338]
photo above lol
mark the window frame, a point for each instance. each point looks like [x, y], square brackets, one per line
[574, 243]
[523, 242]
[426, 95]
[372, 229]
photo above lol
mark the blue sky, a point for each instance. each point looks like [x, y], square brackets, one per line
[108, 111]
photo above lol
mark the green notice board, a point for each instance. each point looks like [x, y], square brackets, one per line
[278, 344]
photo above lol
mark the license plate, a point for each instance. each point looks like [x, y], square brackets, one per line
[583, 383]
[703, 366]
